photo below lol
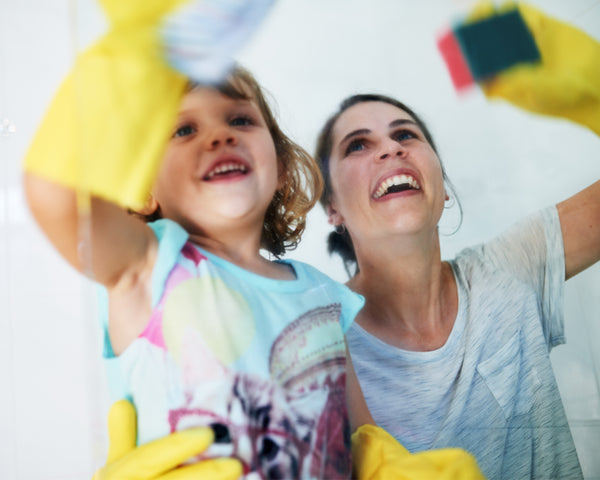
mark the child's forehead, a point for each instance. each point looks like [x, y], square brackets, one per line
[202, 96]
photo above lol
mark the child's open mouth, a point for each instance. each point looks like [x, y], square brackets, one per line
[226, 170]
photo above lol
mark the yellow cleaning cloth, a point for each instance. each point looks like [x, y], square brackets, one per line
[106, 130]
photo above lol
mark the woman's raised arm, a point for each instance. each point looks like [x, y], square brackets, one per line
[580, 224]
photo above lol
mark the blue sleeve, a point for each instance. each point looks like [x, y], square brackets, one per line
[171, 239]
[350, 302]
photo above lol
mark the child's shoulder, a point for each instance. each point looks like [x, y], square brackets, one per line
[313, 275]
[165, 228]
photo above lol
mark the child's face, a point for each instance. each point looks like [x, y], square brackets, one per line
[220, 168]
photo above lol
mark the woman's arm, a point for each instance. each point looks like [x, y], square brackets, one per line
[357, 406]
[107, 244]
[565, 84]
[580, 225]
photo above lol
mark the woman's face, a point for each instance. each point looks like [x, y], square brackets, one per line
[385, 177]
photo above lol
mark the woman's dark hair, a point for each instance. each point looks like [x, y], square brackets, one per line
[339, 241]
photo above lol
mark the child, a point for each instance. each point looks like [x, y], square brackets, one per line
[204, 329]
[200, 328]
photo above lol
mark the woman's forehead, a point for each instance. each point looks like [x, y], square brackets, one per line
[369, 116]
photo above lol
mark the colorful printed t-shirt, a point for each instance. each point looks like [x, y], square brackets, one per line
[260, 360]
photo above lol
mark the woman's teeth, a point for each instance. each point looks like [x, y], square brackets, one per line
[405, 181]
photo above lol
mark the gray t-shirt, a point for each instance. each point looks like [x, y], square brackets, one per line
[490, 389]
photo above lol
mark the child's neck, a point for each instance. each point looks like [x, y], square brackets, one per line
[245, 254]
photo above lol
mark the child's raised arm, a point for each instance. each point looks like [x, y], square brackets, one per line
[106, 243]
[104, 135]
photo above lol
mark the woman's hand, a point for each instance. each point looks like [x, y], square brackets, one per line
[567, 81]
[376, 455]
[159, 460]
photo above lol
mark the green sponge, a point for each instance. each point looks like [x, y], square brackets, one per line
[475, 51]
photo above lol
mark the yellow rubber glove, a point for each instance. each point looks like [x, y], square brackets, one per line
[376, 455]
[106, 130]
[567, 82]
[158, 460]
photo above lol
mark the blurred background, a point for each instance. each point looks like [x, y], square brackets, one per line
[310, 54]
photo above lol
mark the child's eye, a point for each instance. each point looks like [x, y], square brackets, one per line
[241, 121]
[403, 135]
[183, 131]
[355, 146]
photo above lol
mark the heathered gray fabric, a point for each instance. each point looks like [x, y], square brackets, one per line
[490, 389]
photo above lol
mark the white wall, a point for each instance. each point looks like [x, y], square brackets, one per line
[310, 54]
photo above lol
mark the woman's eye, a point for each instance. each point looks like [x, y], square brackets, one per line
[241, 121]
[403, 135]
[184, 131]
[355, 146]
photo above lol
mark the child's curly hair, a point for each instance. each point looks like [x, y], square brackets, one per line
[285, 218]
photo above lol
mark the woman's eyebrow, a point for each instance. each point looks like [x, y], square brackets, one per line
[361, 131]
[402, 121]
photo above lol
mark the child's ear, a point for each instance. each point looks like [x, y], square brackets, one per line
[334, 217]
[149, 207]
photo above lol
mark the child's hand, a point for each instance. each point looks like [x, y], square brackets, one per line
[158, 460]
[566, 83]
[202, 37]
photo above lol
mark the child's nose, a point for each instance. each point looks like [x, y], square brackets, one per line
[221, 137]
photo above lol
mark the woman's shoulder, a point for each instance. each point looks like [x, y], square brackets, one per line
[529, 233]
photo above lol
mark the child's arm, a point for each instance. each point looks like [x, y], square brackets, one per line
[107, 244]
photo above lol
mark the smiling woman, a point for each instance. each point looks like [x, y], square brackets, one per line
[453, 353]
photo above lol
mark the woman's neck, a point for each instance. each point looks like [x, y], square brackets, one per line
[411, 296]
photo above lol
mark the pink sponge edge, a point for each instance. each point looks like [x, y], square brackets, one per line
[455, 61]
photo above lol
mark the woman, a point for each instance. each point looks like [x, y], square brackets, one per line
[451, 353]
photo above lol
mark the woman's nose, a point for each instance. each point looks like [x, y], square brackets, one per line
[391, 149]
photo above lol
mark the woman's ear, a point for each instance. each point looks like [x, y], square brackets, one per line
[149, 207]
[333, 216]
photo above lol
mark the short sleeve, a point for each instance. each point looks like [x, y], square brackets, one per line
[532, 251]
[171, 239]
[336, 292]
[351, 305]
